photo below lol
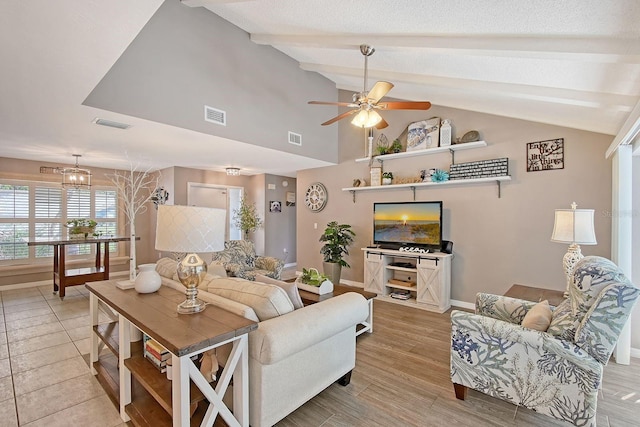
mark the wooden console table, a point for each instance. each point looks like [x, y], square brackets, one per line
[78, 276]
[184, 335]
[534, 294]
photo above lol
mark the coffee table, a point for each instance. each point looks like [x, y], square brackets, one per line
[309, 298]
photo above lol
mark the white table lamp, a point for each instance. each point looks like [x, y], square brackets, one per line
[190, 229]
[575, 227]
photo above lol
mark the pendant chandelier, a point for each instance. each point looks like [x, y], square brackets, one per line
[76, 177]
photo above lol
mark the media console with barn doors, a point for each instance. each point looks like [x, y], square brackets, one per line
[421, 280]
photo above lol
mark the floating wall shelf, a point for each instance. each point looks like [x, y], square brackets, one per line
[450, 149]
[414, 185]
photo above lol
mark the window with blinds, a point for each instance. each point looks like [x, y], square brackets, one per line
[41, 210]
[14, 221]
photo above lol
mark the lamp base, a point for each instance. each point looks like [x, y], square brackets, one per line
[569, 261]
[191, 306]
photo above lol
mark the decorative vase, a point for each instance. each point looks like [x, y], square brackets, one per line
[332, 270]
[148, 279]
[386, 181]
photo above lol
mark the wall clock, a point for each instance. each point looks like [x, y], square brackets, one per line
[316, 197]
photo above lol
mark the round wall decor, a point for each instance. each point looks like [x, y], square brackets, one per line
[316, 197]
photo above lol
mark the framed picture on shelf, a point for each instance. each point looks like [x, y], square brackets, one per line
[545, 155]
[376, 175]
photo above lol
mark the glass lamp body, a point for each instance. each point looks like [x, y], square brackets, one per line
[191, 270]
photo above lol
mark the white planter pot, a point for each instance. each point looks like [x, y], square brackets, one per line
[148, 279]
[325, 287]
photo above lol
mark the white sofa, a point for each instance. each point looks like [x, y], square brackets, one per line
[295, 353]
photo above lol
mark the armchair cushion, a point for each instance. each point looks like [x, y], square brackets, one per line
[239, 259]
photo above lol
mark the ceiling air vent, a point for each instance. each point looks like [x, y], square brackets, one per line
[295, 138]
[214, 115]
[111, 123]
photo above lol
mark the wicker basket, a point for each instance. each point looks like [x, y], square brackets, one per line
[81, 232]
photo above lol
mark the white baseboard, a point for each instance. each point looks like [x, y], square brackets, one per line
[463, 304]
[27, 285]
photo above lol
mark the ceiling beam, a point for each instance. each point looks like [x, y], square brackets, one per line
[205, 3]
[596, 100]
[601, 49]
[628, 132]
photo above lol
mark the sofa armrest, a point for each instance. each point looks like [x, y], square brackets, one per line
[279, 337]
[270, 264]
[503, 308]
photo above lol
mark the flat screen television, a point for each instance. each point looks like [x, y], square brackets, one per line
[407, 224]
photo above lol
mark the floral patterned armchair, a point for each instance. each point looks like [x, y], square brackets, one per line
[557, 372]
[239, 259]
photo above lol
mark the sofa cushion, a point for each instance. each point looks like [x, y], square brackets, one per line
[290, 288]
[538, 317]
[563, 323]
[266, 300]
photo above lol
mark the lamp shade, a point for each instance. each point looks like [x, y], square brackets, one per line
[574, 226]
[190, 229]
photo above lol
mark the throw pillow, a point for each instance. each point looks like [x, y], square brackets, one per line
[166, 267]
[217, 269]
[538, 317]
[290, 288]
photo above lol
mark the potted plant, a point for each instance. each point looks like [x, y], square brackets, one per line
[396, 146]
[337, 238]
[246, 218]
[312, 281]
[81, 228]
[386, 178]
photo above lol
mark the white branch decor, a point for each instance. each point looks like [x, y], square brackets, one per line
[135, 189]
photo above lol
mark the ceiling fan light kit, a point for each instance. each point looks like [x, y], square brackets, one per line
[366, 102]
[366, 119]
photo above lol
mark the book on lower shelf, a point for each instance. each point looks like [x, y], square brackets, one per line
[155, 353]
[400, 294]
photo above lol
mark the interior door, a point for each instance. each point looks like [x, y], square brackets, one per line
[217, 196]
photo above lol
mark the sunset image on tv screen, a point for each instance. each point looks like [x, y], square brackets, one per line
[410, 223]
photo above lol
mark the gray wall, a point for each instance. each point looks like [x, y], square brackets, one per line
[497, 241]
[187, 57]
[280, 227]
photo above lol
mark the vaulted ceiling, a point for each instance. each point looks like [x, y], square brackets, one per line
[574, 63]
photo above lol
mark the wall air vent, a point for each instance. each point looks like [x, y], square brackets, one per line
[295, 138]
[111, 123]
[214, 115]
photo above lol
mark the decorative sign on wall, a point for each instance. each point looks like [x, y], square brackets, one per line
[545, 155]
[480, 169]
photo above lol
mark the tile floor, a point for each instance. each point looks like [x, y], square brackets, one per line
[44, 373]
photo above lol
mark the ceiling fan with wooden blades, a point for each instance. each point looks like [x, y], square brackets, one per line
[366, 103]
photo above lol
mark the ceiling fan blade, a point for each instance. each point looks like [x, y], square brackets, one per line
[383, 124]
[341, 104]
[339, 117]
[408, 105]
[379, 90]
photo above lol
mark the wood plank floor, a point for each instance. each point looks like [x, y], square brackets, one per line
[402, 379]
